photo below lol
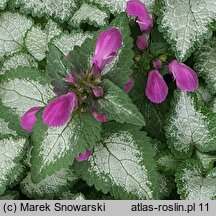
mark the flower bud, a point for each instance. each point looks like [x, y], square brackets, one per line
[84, 156]
[99, 117]
[98, 92]
[157, 64]
[142, 42]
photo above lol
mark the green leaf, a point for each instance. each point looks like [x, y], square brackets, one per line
[60, 10]
[119, 70]
[207, 160]
[13, 28]
[190, 125]
[193, 184]
[22, 89]
[10, 195]
[58, 67]
[3, 4]
[66, 42]
[122, 164]
[19, 59]
[11, 152]
[56, 148]
[167, 163]
[119, 6]
[186, 24]
[49, 188]
[89, 14]
[37, 39]
[205, 63]
[118, 106]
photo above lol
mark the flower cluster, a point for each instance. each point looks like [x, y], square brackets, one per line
[83, 88]
[156, 87]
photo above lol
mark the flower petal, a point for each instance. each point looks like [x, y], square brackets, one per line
[107, 46]
[28, 119]
[128, 86]
[58, 111]
[142, 42]
[137, 9]
[186, 78]
[98, 91]
[157, 64]
[84, 156]
[156, 88]
[99, 117]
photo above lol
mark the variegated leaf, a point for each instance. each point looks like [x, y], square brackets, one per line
[89, 14]
[13, 28]
[186, 23]
[56, 147]
[190, 125]
[194, 184]
[122, 164]
[49, 188]
[37, 39]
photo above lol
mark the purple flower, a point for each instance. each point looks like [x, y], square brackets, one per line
[157, 64]
[186, 78]
[70, 78]
[28, 119]
[98, 92]
[142, 42]
[84, 156]
[128, 86]
[156, 87]
[99, 117]
[137, 9]
[107, 46]
[58, 111]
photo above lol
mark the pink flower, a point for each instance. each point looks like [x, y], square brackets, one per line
[156, 88]
[157, 64]
[186, 78]
[142, 42]
[137, 9]
[98, 92]
[128, 86]
[70, 78]
[99, 117]
[28, 119]
[107, 46]
[58, 111]
[84, 156]
[68, 56]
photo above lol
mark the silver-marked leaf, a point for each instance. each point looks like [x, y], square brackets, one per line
[190, 125]
[19, 59]
[118, 106]
[186, 23]
[119, 6]
[192, 184]
[56, 148]
[37, 39]
[10, 195]
[206, 63]
[13, 28]
[49, 188]
[24, 88]
[11, 152]
[89, 14]
[207, 160]
[3, 4]
[60, 10]
[122, 164]
[20, 90]
[66, 42]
